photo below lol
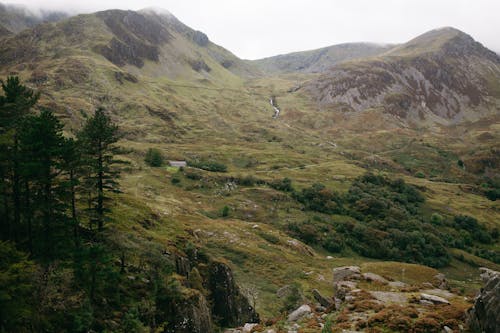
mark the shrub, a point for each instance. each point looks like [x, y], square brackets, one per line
[225, 211]
[284, 185]
[154, 157]
[208, 165]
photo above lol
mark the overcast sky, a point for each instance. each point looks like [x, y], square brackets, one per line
[259, 28]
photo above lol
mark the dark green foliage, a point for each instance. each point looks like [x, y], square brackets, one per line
[386, 222]
[284, 185]
[225, 211]
[320, 199]
[97, 138]
[208, 165]
[16, 289]
[154, 157]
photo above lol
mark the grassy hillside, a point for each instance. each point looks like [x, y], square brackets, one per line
[194, 101]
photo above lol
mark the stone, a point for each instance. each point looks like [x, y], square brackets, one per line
[484, 316]
[324, 301]
[299, 313]
[397, 284]
[284, 291]
[446, 329]
[248, 327]
[434, 299]
[440, 281]
[426, 303]
[372, 277]
[345, 273]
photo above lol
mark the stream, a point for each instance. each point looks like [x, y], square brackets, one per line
[276, 109]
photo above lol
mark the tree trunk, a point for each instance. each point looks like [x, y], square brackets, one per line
[73, 206]
[28, 216]
[100, 190]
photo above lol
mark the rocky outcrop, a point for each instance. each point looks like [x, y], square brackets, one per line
[484, 316]
[193, 314]
[441, 75]
[229, 304]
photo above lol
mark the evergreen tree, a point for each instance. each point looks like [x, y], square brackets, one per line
[42, 146]
[98, 137]
[15, 104]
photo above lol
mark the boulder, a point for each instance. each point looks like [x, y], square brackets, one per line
[324, 301]
[484, 316]
[248, 327]
[346, 273]
[397, 284]
[372, 277]
[299, 313]
[440, 281]
[434, 299]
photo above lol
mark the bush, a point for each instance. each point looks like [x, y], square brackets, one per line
[154, 157]
[225, 211]
[320, 199]
[284, 185]
[208, 165]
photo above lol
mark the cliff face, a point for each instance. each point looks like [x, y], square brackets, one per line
[210, 296]
[442, 74]
[484, 316]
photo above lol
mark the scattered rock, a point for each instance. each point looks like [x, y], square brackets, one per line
[372, 277]
[426, 303]
[433, 298]
[248, 327]
[345, 273]
[299, 313]
[440, 281]
[484, 316]
[324, 301]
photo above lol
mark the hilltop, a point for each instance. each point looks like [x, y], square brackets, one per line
[441, 76]
[317, 61]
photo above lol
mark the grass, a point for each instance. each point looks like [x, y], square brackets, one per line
[227, 119]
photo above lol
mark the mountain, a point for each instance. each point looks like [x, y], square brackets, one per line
[442, 75]
[268, 203]
[145, 43]
[319, 60]
[16, 18]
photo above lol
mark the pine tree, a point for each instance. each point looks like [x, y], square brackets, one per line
[72, 167]
[41, 147]
[98, 137]
[15, 104]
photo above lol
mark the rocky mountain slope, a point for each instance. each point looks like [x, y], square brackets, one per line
[443, 75]
[319, 60]
[148, 43]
